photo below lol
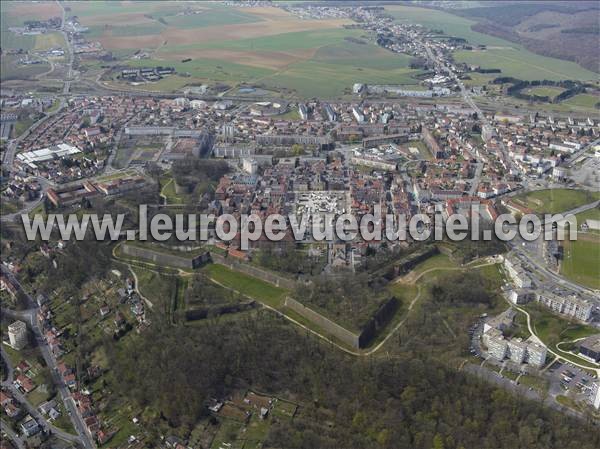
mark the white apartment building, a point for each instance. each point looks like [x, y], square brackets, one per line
[17, 335]
[517, 274]
[572, 305]
[517, 350]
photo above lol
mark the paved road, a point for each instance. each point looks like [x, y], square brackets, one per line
[557, 355]
[30, 316]
[12, 436]
[70, 55]
[31, 409]
[540, 265]
[579, 154]
[481, 116]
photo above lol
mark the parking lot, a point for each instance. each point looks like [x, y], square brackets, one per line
[569, 379]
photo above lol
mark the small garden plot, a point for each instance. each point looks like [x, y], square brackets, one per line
[284, 409]
[232, 411]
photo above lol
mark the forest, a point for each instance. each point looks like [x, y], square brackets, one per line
[411, 395]
[408, 401]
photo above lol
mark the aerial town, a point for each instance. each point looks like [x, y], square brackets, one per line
[135, 343]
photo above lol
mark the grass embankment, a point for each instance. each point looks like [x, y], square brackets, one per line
[247, 285]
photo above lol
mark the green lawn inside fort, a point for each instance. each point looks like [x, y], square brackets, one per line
[553, 201]
[246, 285]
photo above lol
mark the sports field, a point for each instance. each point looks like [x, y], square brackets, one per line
[546, 91]
[581, 260]
[511, 58]
[553, 201]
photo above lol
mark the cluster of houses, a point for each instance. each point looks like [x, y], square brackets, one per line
[538, 144]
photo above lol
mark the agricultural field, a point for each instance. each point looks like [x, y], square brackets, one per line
[511, 58]
[554, 201]
[14, 14]
[523, 64]
[581, 260]
[265, 47]
[10, 69]
[448, 23]
[583, 100]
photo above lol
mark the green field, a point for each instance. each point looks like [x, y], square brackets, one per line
[49, 40]
[590, 214]
[583, 100]
[552, 329]
[581, 260]
[555, 201]
[312, 78]
[319, 63]
[168, 191]
[215, 16]
[205, 69]
[95, 8]
[246, 285]
[545, 91]
[479, 79]
[511, 58]
[525, 65]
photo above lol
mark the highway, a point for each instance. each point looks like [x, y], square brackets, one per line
[65, 394]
